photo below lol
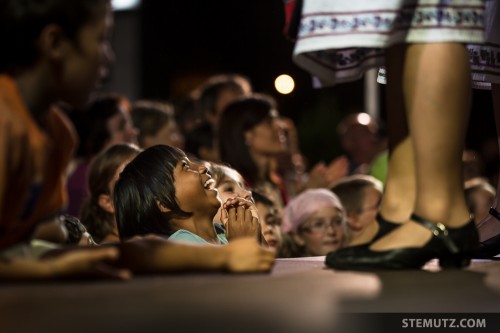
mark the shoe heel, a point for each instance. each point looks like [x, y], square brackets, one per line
[454, 261]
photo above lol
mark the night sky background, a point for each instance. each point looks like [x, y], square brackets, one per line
[167, 48]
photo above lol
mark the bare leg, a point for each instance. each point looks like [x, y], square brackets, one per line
[436, 87]
[399, 192]
[490, 226]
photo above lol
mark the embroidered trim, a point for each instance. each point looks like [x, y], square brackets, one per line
[390, 21]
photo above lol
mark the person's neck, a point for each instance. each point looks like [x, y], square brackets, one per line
[200, 225]
[33, 87]
[263, 164]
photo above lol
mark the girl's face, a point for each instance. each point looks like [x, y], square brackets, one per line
[270, 221]
[194, 188]
[322, 232]
[169, 135]
[120, 127]
[87, 58]
[267, 138]
[106, 200]
[231, 186]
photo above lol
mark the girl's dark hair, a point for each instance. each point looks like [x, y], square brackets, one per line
[238, 117]
[145, 183]
[21, 22]
[99, 222]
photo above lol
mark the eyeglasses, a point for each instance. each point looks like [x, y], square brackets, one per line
[321, 225]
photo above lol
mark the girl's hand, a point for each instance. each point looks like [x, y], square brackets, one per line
[241, 219]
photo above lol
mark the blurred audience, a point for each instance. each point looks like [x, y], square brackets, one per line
[156, 124]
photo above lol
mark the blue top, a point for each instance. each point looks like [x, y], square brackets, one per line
[182, 235]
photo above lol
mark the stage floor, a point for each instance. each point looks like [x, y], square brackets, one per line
[298, 295]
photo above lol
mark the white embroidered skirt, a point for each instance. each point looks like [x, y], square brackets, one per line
[485, 58]
[338, 41]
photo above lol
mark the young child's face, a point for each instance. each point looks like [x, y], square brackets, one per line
[323, 231]
[270, 221]
[231, 186]
[87, 58]
[194, 188]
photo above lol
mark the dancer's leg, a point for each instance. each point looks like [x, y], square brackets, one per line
[436, 83]
[399, 190]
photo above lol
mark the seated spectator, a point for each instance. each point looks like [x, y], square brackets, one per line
[479, 194]
[156, 124]
[362, 140]
[270, 220]
[105, 122]
[249, 140]
[360, 195]
[201, 143]
[162, 192]
[314, 224]
[98, 212]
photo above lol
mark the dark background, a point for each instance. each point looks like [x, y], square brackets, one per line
[167, 48]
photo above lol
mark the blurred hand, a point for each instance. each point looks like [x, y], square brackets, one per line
[86, 262]
[322, 176]
[337, 169]
[245, 255]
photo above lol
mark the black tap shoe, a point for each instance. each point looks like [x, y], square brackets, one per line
[384, 227]
[454, 247]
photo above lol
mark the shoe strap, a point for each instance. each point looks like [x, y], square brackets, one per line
[438, 230]
[495, 213]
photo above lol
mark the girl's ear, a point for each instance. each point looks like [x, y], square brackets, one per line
[106, 203]
[297, 238]
[53, 42]
[162, 208]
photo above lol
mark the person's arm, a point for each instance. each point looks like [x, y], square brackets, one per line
[154, 255]
[147, 255]
[74, 262]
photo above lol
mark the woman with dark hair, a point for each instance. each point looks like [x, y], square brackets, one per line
[250, 140]
[98, 213]
[162, 192]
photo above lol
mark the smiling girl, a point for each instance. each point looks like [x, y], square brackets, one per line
[162, 192]
[314, 224]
